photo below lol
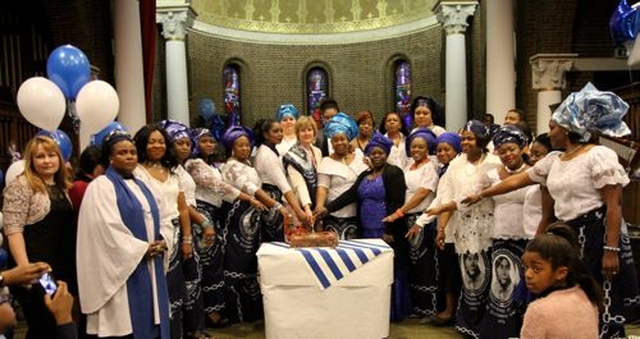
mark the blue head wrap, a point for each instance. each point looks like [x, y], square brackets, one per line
[341, 123]
[479, 129]
[378, 140]
[622, 24]
[175, 129]
[591, 110]
[424, 133]
[452, 139]
[509, 134]
[233, 133]
[114, 137]
[286, 110]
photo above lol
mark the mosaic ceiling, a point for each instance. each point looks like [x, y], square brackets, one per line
[310, 16]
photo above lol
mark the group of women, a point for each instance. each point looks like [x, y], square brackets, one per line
[166, 240]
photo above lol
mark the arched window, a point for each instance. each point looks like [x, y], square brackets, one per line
[232, 95]
[317, 90]
[402, 89]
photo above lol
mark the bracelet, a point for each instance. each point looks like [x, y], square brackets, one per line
[277, 206]
[207, 223]
[399, 213]
[611, 248]
[187, 242]
[188, 238]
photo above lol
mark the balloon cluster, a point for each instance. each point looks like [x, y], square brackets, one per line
[624, 25]
[43, 102]
[212, 119]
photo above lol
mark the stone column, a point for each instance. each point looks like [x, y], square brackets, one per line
[501, 93]
[129, 70]
[453, 17]
[175, 20]
[548, 73]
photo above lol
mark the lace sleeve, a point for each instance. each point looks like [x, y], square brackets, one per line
[17, 198]
[235, 174]
[429, 178]
[540, 170]
[204, 176]
[605, 168]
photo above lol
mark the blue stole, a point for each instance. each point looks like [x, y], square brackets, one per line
[139, 289]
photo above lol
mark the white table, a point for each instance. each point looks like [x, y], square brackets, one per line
[349, 299]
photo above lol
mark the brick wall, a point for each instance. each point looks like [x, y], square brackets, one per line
[360, 74]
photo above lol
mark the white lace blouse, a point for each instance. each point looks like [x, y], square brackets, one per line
[423, 177]
[472, 225]
[242, 176]
[188, 185]
[508, 211]
[210, 187]
[574, 183]
[338, 177]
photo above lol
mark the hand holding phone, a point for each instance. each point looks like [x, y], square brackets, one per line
[48, 283]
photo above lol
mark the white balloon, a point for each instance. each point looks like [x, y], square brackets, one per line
[14, 171]
[42, 103]
[97, 106]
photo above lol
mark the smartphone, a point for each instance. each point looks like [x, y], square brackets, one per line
[48, 283]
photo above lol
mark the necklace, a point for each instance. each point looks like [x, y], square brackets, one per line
[155, 166]
[568, 155]
[510, 171]
[479, 160]
[417, 165]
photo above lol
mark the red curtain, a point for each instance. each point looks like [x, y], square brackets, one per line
[148, 23]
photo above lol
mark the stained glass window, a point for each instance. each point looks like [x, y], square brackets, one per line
[402, 90]
[232, 95]
[317, 90]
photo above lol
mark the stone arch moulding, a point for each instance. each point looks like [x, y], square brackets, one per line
[316, 64]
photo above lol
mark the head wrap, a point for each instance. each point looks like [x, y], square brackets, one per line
[175, 129]
[341, 123]
[233, 133]
[378, 140]
[591, 110]
[424, 133]
[196, 135]
[114, 137]
[510, 134]
[479, 129]
[452, 139]
[286, 110]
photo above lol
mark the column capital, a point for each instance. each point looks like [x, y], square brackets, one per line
[549, 70]
[175, 20]
[453, 15]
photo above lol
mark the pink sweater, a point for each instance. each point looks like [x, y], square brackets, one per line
[563, 314]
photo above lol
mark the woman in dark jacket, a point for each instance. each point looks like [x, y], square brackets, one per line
[379, 192]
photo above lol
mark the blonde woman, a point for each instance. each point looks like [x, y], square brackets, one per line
[39, 224]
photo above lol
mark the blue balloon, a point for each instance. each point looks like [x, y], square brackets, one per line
[97, 138]
[62, 140]
[207, 108]
[622, 24]
[68, 68]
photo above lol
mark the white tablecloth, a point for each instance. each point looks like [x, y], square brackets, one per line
[324, 293]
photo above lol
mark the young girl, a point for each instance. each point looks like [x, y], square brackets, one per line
[569, 297]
